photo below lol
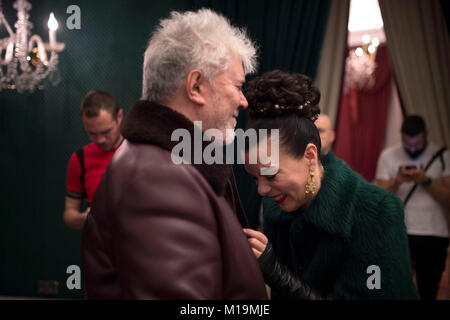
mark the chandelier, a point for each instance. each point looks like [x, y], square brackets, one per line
[24, 63]
[360, 65]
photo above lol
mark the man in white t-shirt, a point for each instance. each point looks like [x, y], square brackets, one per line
[399, 169]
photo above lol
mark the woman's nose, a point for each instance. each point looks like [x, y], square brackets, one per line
[263, 188]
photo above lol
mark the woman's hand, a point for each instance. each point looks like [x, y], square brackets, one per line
[258, 241]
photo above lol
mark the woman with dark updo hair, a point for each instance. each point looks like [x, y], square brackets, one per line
[329, 234]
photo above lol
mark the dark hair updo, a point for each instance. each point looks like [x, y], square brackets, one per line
[288, 102]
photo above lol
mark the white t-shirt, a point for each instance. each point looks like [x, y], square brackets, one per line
[423, 214]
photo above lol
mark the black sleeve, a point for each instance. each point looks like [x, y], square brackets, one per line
[282, 280]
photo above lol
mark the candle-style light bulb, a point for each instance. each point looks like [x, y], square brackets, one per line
[359, 52]
[375, 42]
[366, 39]
[52, 22]
[52, 26]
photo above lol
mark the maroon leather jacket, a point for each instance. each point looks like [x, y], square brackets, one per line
[157, 230]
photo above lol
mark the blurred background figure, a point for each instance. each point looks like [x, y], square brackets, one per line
[327, 134]
[418, 171]
[101, 118]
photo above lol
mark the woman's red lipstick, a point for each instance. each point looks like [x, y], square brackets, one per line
[281, 200]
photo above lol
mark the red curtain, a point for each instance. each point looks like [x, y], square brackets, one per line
[361, 125]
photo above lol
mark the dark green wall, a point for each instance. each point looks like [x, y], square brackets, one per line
[39, 131]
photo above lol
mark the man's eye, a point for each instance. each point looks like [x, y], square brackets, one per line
[270, 178]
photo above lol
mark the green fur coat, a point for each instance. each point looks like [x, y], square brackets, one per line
[351, 243]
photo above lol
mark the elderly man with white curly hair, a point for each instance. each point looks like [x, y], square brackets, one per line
[164, 230]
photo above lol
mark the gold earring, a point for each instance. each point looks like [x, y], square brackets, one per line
[310, 185]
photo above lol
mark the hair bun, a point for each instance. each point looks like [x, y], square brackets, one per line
[278, 93]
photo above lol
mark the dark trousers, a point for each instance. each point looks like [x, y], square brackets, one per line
[428, 255]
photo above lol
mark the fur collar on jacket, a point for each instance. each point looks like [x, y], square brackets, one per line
[150, 123]
[333, 208]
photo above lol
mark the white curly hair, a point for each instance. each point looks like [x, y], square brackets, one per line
[201, 40]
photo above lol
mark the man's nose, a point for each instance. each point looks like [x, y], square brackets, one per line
[100, 139]
[243, 103]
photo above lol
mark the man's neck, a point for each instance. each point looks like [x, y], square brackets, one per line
[182, 105]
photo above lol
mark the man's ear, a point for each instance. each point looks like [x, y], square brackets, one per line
[311, 155]
[195, 90]
[119, 116]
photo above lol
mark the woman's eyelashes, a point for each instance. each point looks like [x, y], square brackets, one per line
[268, 178]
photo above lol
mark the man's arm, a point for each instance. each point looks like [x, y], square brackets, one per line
[439, 188]
[389, 185]
[392, 185]
[75, 194]
[72, 215]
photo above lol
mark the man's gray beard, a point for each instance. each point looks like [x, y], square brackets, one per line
[227, 134]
